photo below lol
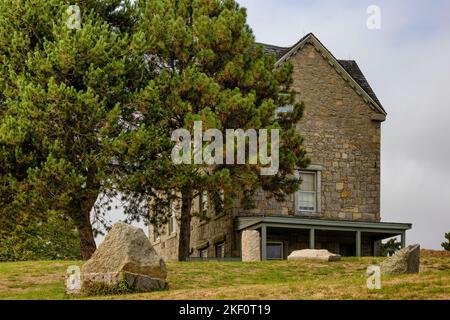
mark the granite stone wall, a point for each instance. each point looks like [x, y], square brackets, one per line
[206, 233]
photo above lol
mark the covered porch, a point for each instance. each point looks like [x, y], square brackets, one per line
[279, 236]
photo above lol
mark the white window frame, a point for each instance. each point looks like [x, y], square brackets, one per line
[204, 202]
[318, 187]
[276, 243]
[173, 224]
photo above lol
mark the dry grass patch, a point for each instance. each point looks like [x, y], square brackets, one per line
[270, 280]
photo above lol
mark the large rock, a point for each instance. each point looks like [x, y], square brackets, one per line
[126, 254]
[406, 260]
[311, 254]
[251, 246]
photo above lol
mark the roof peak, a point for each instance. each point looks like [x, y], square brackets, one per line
[349, 66]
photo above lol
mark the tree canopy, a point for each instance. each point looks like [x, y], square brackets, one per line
[63, 92]
[91, 111]
[209, 69]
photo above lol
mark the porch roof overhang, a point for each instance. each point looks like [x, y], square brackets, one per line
[253, 223]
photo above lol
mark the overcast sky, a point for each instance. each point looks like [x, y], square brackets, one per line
[407, 62]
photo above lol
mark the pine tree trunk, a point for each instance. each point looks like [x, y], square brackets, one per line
[185, 225]
[87, 241]
[82, 220]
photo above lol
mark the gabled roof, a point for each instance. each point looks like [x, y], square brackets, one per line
[353, 69]
[348, 69]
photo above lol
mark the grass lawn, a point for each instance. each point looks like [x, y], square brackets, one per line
[263, 280]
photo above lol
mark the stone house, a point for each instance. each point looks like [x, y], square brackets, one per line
[338, 206]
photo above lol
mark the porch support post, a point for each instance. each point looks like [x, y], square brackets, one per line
[403, 239]
[312, 238]
[358, 243]
[263, 242]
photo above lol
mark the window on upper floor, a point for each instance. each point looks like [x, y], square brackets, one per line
[284, 109]
[307, 195]
[204, 203]
[156, 232]
[173, 218]
[218, 202]
[156, 223]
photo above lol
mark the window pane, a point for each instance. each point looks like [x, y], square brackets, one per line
[308, 182]
[220, 250]
[307, 201]
[170, 225]
[204, 202]
[283, 110]
[274, 251]
[156, 233]
[173, 217]
[204, 253]
[174, 223]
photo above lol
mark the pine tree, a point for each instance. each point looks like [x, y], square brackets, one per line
[446, 245]
[63, 97]
[209, 69]
[390, 247]
[55, 239]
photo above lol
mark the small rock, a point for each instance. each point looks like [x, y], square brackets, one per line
[126, 253]
[311, 254]
[406, 260]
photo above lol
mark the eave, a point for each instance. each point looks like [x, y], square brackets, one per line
[255, 222]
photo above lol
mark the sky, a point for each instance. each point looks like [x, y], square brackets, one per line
[407, 63]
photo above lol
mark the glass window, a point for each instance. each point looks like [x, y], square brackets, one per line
[307, 193]
[172, 219]
[275, 251]
[283, 110]
[220, 250]
[156, 232]
[204, 253]
[155, 224]
[204, 202]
